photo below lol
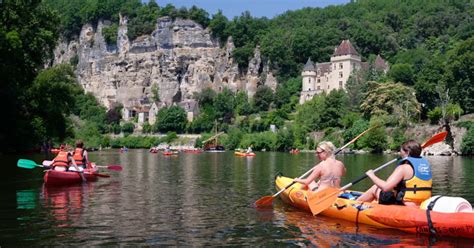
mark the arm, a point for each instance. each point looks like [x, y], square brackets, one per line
[392, 181]
[315, 174]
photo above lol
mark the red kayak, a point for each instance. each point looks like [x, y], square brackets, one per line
[55, 177]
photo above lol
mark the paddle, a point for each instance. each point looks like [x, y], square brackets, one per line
[109, 167]
[29, 164]
[266, 201]
[323, 199]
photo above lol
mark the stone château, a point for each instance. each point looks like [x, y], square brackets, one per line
[327, 76]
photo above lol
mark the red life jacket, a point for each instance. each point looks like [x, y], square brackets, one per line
[61, 159]
[79, 156]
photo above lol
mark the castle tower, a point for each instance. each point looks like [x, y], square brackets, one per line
[344, 61]
[309, 76]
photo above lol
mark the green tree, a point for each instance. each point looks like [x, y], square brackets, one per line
[393, 99]
[50, 103]
[402, 73]
[459, 74]
[171, 119]
[28, 35]
[224, 105]
[263, 98]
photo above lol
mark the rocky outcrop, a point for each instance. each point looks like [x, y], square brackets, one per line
[179, 57]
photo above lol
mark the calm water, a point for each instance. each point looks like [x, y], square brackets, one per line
[195, 200]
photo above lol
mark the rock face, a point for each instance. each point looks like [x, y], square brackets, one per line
[179, 57]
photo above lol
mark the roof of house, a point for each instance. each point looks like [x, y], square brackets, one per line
[323, 68]
[345, 48]
[380, 63]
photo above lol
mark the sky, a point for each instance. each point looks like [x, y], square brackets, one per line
[257, 8]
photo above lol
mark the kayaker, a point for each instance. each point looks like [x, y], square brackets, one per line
[409, 184]
[249, 150]
[64, 160]
[81, 156]
[329, 170]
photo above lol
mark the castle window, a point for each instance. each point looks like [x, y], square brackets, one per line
[340, 66]
[319, 87]
[319, 80]
[340, 74]
[334, 66]
[340, 84]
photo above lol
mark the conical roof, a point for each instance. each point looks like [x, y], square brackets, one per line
[309, 66]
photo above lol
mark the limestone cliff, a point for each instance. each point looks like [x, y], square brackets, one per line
[179, 57]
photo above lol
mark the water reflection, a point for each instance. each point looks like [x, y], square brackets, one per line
[196, 200]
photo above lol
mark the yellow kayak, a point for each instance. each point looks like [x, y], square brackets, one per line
[409, 219]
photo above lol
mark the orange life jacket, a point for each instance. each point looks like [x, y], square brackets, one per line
[79, 156]
[61, 159]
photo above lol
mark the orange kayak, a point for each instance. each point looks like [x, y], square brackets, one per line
[244, 154]
[409, 219]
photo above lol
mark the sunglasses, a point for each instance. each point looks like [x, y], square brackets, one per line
[320, 152]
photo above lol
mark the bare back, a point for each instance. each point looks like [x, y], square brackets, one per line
[331, 171]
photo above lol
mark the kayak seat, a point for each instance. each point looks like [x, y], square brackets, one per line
[350, 195]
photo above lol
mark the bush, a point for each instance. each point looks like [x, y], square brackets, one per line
[128, 128]
[467, 145]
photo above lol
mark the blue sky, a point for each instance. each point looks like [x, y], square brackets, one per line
[257, 8]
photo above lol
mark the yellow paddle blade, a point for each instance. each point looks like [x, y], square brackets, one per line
[322, 200]
[265, 201]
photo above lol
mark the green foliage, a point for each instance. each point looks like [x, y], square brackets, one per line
[142, 21]
[397, 138]
[402, 73]
[453, 112]
[285, 140]
[224, 105]
[135, 142]
[170, 137]
[242, 104]
[28, 35]
[392, 99]
[171, 119]
[357, 128]
[147, 128]
[127, 128]
[74, 60]
[467, 145]
[232, 138]
[377, 137]
[263, 98]
[110, 34]
[52, 99]
[459, 74]
[264, 140]
[155, 90]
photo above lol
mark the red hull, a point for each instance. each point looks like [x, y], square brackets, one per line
[53, 177]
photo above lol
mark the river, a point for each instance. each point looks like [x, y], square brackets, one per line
[196, 200]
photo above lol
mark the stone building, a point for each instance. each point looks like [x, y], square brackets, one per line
[327, 76]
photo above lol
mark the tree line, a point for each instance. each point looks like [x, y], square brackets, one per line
[428, 45]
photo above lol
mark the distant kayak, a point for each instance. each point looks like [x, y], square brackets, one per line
[244, 154]
[171, 153]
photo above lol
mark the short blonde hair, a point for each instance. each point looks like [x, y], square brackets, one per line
[328, 147]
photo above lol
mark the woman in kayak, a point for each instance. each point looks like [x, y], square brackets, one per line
[80, 155]
[329, 171]
[409, 184]
[64, 161]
